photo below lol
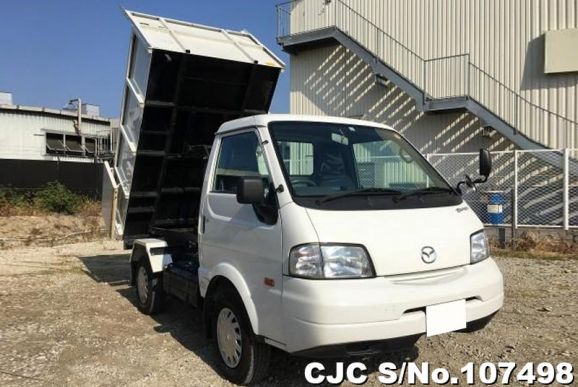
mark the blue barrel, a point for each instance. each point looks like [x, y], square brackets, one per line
[495, 208]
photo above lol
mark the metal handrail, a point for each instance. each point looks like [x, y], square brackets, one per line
[284, 10]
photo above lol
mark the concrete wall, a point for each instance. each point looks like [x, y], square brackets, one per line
[83, 178]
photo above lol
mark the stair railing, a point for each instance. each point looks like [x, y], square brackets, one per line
[447, 77]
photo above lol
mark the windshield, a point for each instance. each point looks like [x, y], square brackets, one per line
[325, 163]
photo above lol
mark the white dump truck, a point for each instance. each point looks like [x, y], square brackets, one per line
[315, 235]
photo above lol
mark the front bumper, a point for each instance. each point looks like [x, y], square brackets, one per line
[320, 313]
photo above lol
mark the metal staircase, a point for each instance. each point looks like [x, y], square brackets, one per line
[439, 84]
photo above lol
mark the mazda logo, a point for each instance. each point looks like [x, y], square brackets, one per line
[428, 254]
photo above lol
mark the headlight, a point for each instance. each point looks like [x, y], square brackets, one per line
[479, 248]
[330, 262]
[305, 261]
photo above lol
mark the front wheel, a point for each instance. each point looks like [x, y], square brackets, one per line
[242, 359]
[149, 289]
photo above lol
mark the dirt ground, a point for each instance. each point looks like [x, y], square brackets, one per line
[48, 230]
[67, 318]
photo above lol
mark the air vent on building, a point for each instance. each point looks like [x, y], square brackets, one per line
[91, 110]
[5, 98]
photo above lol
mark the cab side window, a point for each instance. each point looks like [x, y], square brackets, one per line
[240, 156]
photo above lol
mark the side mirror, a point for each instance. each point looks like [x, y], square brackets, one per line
[250, 190]
[485, 163]
[485, 171]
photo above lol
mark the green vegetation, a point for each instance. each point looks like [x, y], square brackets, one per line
[52, 198]
[55, 197]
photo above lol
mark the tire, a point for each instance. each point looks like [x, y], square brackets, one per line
[150, 295]
[230, 324]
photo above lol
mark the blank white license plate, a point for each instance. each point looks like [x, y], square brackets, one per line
[443, 318]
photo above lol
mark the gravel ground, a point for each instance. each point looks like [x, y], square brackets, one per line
[67, 318]
[48, 230]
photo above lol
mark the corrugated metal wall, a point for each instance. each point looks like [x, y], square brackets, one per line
[334, 81]
[22, 133]
[502, 39]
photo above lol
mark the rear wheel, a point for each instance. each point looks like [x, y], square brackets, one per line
[242, 359]
[149, 289]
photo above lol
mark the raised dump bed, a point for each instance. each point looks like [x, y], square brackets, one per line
[183, 81]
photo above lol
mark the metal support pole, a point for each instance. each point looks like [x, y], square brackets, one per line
[428, 158]
[565, 189]
[516, 115]
[424, 82]
[79, 123]
[515, 199]
[79, 110]
[468, 78]
[114, 205]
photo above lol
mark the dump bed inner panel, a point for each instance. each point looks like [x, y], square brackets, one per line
[188, 97]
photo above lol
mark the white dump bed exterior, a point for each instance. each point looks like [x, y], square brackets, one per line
[179, 36]
[152, 34]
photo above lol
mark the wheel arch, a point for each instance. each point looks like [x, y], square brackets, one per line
[227, 276]
[143, 249]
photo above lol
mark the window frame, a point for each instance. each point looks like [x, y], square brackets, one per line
[215, 166]
[47, 148]
[75, 152]
[66, 151]
[307, 201]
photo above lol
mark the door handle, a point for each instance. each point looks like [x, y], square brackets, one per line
[203, 222]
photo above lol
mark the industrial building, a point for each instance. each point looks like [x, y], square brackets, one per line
[39, 145]
[453, 76]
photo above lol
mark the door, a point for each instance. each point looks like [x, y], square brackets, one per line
[234, 234]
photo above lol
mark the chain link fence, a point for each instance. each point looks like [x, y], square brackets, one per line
[571, 194]
[527, 188]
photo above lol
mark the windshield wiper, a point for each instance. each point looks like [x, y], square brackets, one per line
[424, 191]
[360, 192]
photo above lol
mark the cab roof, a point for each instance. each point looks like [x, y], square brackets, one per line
[265, 119]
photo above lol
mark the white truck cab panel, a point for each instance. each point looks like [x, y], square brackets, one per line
[297, 314]
[234, 235]
[332, 232]
[403, 233]
[325, 313]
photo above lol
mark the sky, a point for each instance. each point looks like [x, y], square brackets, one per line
[57, 50]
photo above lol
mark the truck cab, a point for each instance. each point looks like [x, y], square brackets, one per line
[325, 235]
[313, 235]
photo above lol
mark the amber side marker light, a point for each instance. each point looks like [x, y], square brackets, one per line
[269, 282]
